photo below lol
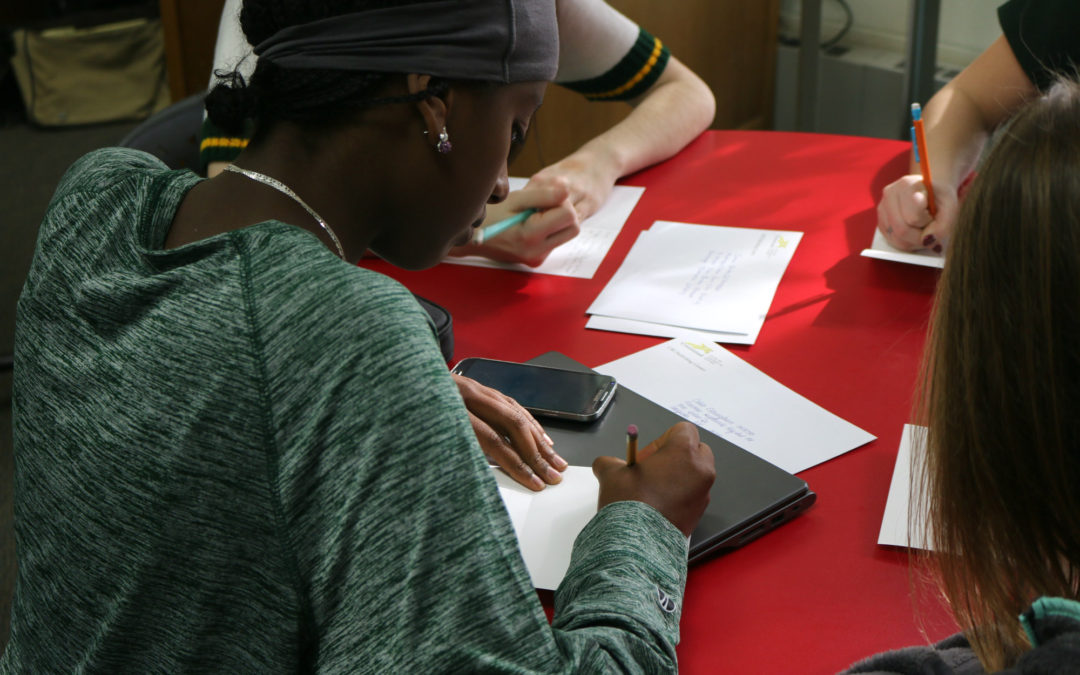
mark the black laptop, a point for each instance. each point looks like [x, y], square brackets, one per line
[750, 496]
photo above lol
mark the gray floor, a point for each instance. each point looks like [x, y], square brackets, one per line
[31, 162]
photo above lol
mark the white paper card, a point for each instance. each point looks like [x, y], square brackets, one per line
[718, 391]
[613, 324]
[880, 249]
[581, 256]
[548, 522]
[894, 524]
[703, 277]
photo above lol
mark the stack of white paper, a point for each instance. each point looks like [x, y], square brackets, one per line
[895, 528]
[718, 391]
[680, 277]
[581, 256]
[880, 249]
[547, 522]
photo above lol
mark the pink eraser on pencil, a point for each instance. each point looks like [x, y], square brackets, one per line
[632, 431]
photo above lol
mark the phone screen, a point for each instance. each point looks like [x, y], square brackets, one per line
[543, 390]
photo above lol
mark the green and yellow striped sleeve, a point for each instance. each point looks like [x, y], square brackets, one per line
[217, 146]
[630, 77]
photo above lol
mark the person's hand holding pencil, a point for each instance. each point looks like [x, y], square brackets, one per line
[527, 226]
[672, 474]
[917, 211]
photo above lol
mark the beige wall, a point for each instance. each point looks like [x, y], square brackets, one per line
[731, 44]
[190, 28]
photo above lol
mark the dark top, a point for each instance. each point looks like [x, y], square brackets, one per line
[1044, 37]
[1052, 626]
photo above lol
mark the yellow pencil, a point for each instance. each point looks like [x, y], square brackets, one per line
[631, 445]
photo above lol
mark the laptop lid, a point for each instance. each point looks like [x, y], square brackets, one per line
[749, 497]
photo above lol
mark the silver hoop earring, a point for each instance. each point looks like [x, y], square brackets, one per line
[443, 146]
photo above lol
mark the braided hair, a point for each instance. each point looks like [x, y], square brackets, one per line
[308, 96]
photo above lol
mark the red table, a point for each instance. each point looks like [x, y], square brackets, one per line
[844, 331]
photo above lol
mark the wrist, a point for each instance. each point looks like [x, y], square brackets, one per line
[943, 182]
[603, 160]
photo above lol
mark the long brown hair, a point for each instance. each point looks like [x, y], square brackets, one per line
[1001, 384]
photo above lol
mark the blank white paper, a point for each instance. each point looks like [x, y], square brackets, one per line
[880, 249]
[548, 522]
[894, 524]
[610, 323]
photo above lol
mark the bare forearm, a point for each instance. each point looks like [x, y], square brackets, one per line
[955, 136]
[667, 117]
[960, 117]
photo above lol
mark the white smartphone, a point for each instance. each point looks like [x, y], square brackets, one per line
[543, 391]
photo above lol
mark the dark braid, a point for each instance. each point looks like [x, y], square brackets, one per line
[307, 96]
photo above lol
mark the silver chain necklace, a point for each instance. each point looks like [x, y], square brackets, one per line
[284, 189]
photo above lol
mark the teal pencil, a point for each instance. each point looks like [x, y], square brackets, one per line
[495, 229]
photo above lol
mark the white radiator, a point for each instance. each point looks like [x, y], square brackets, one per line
[860, 92]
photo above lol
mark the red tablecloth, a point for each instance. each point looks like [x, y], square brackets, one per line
[844, 331]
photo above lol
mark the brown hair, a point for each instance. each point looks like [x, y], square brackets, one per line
[1001, 384]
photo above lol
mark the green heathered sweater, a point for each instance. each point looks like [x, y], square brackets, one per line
[245, 455]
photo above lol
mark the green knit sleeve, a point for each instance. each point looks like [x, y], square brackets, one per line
[405, 557]
[623, 591]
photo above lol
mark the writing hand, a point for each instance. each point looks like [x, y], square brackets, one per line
[673, 474]
[510, 436]
[554, 224]
[906, 222]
